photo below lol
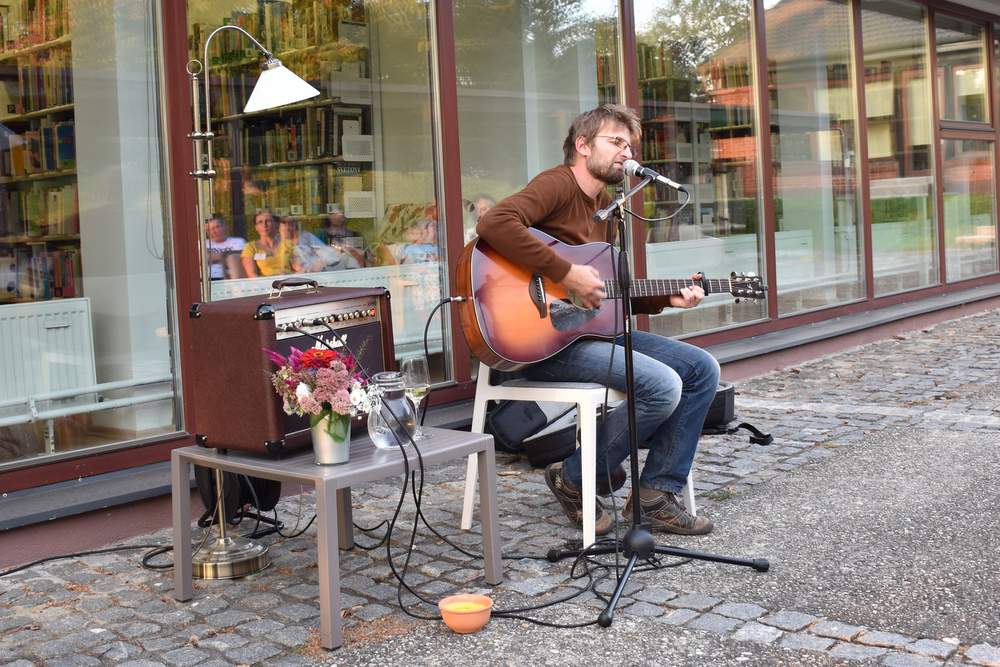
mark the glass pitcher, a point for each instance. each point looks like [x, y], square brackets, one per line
[394, 422]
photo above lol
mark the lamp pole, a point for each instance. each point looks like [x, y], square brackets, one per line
[282, 87]
[229, 556]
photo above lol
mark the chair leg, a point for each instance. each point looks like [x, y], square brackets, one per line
[688, 494]
[472, 468]
[587, 419]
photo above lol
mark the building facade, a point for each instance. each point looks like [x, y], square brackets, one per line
[817, 149]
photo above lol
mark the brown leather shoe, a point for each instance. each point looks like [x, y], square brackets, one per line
[571, 500]
[666, 514]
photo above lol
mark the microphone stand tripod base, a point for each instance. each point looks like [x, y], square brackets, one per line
[230, 558]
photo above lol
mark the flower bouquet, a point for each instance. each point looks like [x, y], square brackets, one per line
[327, 386]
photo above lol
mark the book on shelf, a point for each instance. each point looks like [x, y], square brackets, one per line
[40, 210]
[25, 23]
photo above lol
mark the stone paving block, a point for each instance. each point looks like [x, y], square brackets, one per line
[740, 610]
[142, 663]
[259, 628]
[116, 651]
[370, 612]
[856, 652]
[721, 625]
[645, 609]
[185, 656]
[932, 648]
[903, 659]
[755, 632]
[983, 654]
[297, 612]
[836, 630]
[792, 621]
[883, 639]
[655, 595]
[806, 641]
[677, 617]
[53, 648]
[77, 660]
[230, 618]
[303, 591]
[291, 636]
[162, 644]
[225, 641]
[694, 601]
[535, 585]
[253, 653]
[19, 663]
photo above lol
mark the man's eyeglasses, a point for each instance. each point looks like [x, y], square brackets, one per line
[619, 142]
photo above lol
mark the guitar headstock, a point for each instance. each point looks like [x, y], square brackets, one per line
[747, 286]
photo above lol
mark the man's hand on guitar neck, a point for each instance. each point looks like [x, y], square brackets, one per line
[689, 296]
[585, 285]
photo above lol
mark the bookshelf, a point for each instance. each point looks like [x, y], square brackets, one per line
[301, 159]
[702, 138]
[39, 210]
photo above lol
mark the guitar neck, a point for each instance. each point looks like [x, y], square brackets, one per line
[665, 287]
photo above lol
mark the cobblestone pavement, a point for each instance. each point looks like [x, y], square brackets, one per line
[826, 416]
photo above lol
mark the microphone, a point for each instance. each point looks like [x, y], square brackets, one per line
[633, 168]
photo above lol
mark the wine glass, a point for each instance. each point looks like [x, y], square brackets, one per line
[416, 383]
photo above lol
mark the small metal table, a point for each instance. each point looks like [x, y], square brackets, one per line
[333, 502]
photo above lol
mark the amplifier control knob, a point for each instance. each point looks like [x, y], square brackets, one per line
[371, 311]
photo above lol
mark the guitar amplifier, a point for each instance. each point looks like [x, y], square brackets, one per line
[235, 405]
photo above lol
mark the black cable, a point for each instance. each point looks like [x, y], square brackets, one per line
[664, 218]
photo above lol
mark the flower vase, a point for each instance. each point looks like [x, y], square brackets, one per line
[331, 437]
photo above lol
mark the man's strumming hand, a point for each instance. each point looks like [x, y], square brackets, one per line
[585, 284]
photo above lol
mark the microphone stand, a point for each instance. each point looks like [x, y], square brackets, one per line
[639, 543]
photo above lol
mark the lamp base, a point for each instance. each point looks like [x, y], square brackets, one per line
[230, 558]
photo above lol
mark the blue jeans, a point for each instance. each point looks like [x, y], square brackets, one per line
[675, 384]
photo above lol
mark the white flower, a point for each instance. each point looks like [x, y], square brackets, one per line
[364, 400]
[302, 392]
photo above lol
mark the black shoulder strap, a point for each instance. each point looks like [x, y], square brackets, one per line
[756, 437]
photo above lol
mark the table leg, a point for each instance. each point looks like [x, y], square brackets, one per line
[180, 489]
[345, 518]
[488, 516]
[329, 565]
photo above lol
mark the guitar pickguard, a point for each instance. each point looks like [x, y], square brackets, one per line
[567, 317]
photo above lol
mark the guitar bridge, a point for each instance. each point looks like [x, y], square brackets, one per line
[536, 291]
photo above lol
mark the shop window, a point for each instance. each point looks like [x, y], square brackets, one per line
[697, 91]
[340, 188]
[85, 315]
[525, 71]
[818, 245]
[961, 64]
[900, 131]
[969, 208]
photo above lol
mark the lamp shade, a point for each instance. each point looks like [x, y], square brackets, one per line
[276, 87]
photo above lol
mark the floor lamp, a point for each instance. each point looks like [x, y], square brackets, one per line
[229, 557]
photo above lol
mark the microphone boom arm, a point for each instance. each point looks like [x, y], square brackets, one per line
[602, 214]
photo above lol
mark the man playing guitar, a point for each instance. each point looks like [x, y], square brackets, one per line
[675, 382]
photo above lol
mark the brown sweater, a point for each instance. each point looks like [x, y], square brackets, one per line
[554, 203]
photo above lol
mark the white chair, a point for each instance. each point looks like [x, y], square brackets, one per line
[588, 397]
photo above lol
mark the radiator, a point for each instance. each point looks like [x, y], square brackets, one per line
[45, 346]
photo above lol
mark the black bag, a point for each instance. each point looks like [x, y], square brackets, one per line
[722, 413]
[237, 491]
[512, 422]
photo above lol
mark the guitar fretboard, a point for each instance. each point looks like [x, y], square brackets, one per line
[665, 287]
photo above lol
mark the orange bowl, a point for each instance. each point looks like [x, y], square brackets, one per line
[466, 613]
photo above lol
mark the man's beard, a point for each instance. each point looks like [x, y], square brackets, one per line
[605, 173]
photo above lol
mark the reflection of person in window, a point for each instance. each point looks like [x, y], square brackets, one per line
[307, 253]
[420, 243]
[344, 240]
[263, 257]
[482, 203]
[223, 251]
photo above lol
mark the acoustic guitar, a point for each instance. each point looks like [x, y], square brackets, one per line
[512, 318]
